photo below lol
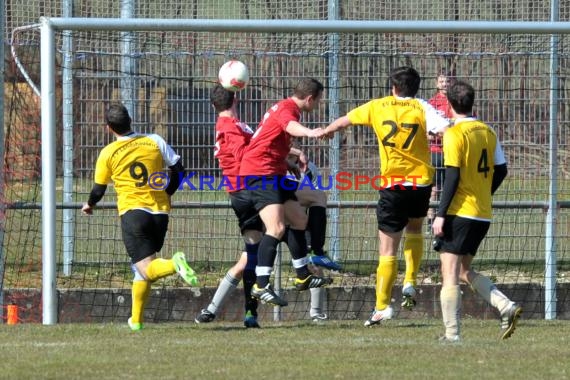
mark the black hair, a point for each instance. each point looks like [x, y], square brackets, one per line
[461, 96]
[221, 98]
[118, 119]
[406, 80]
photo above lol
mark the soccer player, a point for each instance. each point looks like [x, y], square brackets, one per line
[314, 200]
[475, 168]
[439, 102]
[401, 123]
[232, 138]
[143, 207]
[264, 168]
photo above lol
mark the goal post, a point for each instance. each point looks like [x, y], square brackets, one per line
[49, 27]
[49, 291]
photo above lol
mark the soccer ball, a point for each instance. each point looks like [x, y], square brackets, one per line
[233, 75]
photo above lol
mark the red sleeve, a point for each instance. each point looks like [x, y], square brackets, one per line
[289, 113]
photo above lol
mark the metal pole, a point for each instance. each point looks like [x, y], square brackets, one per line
[67, 119]
[2, 178]
[551, 216]
[47, 52]
[310, 26]
[128, 62]
[334, 147]
[277, 277]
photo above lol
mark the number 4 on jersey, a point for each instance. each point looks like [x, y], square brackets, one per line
[483, 164]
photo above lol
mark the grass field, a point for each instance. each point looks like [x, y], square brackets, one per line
[336, 350]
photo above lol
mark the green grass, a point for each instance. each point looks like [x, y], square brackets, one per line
[338, 350]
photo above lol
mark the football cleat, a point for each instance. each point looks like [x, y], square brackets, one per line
[408, 296]
[320, 318]
[135, 326]
[378, 316]
[444, 339]
[509, 321]
[205, 316]
[267, 295]
[184, 270]
[324, 261]
[250, 321]
[312, 281]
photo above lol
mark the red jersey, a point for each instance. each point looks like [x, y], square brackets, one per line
[270, 143]
[439, 102]
[232, 138]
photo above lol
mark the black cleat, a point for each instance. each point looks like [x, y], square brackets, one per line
[312, 281]
[205, 317]
[267, 295]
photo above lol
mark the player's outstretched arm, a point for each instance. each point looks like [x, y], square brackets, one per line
[297, 129]
[341, 122]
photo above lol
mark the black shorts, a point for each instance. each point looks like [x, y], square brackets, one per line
[462, 236]
[269, 190]
[248, 217]
[143, 233]
[397, 205]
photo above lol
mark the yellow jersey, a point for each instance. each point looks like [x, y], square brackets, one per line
[129, 162]
[473, 147]
[401, 126]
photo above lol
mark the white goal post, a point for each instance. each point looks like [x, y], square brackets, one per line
[48, 27]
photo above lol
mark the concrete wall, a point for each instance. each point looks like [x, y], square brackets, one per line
[182, 304]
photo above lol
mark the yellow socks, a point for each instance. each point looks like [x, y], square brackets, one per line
[140, 293]
[413, 253]
[385, 277]
[159, 268]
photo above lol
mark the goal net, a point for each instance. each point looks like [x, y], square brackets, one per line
[165, 76]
